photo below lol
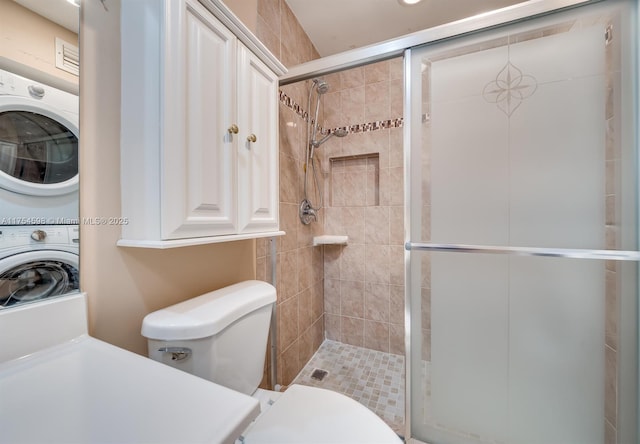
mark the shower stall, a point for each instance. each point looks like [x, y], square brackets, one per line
[523, 231]
[521, 203]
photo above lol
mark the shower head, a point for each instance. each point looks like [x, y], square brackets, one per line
[340, 132]
[321, 85]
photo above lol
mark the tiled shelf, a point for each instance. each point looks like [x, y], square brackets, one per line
[327, 239]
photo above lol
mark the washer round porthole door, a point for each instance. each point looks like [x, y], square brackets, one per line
[38, 148]
[35, 275]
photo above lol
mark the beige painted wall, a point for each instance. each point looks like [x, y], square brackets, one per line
[124, 284]
[29, 39]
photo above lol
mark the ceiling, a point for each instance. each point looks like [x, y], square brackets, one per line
[340, 25]
[334, 25]
[58, 11]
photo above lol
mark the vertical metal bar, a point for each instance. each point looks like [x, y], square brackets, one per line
[274, 318]
[406, 146]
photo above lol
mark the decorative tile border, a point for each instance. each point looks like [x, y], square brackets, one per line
[358, 128]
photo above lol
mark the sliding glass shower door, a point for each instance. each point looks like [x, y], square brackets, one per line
[522, 264]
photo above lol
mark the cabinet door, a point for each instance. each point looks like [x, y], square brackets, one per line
[257, 145]
[199, 198]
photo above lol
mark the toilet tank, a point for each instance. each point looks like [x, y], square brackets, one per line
[220, 336]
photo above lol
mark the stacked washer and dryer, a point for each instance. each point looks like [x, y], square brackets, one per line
[39, 235]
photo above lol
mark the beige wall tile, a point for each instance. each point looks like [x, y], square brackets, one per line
[317, 265]
[332, 327]
[425, 308]
[317, 301]
[376, 336]
[317, 332]
[352, 331]
[288, 221]
[268, 36]
[610, 433]
[261, 269]
[396, 264]
[287, 315]
[611, 309]
[377, 264]
[377, 105]
[338, 189]
[426, 345]
[334, 80]
[353, 101]
[354, 224]
[332, 256]
[355, 191]
[352, 299]
[352, 78]
[396, 225]
[396, 150]
[305, 310]
[352, 263]
[333, 221]
[396, 68]
[396, 186]
[288, 180]
[376, 225]
[306, 349]
[288, 56]
[287, 275]
[269, 11]
[332, 116]
[376, 72]
[377, 142]
[289, 364]
[384, 191]
[306, 233]
[396, 99]
[305, 267]
[611, 385]
[261, 247]
[396, 304]
[376, 302]
[396, 339]
[289, 132]
[373, 188]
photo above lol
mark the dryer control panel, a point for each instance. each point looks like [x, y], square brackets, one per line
[20, 236]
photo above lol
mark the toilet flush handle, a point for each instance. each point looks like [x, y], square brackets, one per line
[177, 353]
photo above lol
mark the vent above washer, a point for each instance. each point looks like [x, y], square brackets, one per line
[67, 57]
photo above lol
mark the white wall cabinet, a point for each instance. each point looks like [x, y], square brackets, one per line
[199, 134]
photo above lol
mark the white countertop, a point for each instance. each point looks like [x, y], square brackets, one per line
[88, 391]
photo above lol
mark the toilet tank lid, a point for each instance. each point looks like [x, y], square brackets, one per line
[207, 315]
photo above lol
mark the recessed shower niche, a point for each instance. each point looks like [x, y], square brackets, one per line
[354, 181]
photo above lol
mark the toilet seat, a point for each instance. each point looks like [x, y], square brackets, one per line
[311, 415]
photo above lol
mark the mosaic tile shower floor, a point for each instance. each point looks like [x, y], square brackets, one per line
[373, 378]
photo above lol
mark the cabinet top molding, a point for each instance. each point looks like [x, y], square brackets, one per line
[231, 21]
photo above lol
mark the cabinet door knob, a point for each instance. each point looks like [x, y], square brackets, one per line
[233, 129]
[252, 138]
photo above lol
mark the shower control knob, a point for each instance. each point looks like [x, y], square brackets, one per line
[233, 129]
[38, 235]
[252, 138]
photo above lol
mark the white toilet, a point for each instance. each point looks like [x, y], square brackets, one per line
[222, 336]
